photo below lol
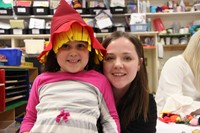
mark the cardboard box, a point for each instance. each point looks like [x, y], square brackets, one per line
[7, 126]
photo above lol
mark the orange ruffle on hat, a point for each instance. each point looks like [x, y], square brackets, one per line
[75, 33]
[68, 25]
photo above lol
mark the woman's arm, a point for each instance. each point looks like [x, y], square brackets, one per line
[170, 82]
[196, 112]
[176, 91]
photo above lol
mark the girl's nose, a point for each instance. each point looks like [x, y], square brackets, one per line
[73, 52]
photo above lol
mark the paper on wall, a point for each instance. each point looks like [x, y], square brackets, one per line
[116, 3]
[4, 25]
[8, 1]
[37, 23]
[138, 18]
[103, 23]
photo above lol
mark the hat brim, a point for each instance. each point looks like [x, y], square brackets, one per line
[64, 28]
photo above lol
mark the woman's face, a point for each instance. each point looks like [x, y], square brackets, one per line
[73, 56]
[121, 64]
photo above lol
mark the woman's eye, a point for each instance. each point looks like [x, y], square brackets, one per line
[108, 58]
[127, 58]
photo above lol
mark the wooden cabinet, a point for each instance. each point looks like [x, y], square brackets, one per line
[15, 85]
[2, 89]
[17, 40]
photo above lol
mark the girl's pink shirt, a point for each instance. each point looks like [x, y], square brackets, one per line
[91, 77]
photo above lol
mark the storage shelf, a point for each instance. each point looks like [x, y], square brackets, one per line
[133, 33]
[173, 13]
[89, 15]
[15, 95]
[2, 84]
[174, 35]
[50, 16]
[149, 47]
[11, 81]
[15, 76]
[26, 36]
[15, 105]
[177, 47]
[33, 71]
[15, 87]
[25, 16]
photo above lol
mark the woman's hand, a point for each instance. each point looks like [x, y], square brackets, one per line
[196, 112]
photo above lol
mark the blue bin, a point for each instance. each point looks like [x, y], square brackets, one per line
[13, 56]
[138, 27]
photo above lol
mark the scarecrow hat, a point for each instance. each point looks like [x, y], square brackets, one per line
[68, 25]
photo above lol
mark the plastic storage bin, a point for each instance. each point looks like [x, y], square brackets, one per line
[22, 10]
[138, 27]
[18, 31]
[13, 56]
[81, 10]
[34, 46]
[104, 30]
[7, 126]
[36, 31]
[95, 9]
[40, 10]
[6, 11]
[118, 10]
[4, 31]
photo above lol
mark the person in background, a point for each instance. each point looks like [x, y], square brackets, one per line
[124, 66]
[70, 95]
[179, 84]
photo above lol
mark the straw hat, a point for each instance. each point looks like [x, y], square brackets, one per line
[68, 25]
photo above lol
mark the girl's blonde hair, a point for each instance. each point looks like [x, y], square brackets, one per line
[192, 55]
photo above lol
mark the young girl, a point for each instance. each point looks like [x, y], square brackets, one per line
[69, 96]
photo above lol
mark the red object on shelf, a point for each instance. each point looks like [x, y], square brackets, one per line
[158, 25]
[2, 90]
[23, 3]
[149, 46]
[164, 7]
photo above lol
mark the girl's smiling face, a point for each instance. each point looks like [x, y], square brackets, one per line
[73, 56]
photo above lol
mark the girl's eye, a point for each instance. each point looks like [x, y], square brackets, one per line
[81, 46]
[65, 46]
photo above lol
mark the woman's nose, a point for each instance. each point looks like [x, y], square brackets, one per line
[118, 63]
